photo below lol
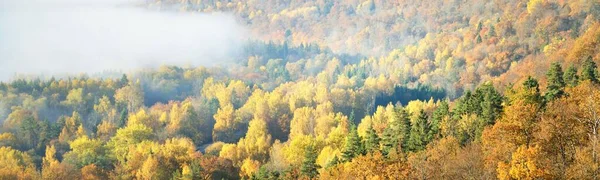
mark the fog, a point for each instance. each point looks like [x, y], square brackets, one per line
[75, 36]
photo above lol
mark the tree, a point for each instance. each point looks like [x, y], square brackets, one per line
[556, 82]
[125, 137]
[309, 165]
[439, 114]
[571, 77]
[353, 146]
[526, 163]
[53, 169]
[149, 169]
[371, 140]
[85, 151]
[333, 162]
[401, 128]
[418, 133]
[130, 97]
[257, 141]
[530, 92]
[15, 164]
[589, 70]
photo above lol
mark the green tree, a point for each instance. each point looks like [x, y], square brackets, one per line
[309, 165]
[401, 128]
[531, 90]
[371, 140]
[418, 133]
[388, 141]
[333, 162]
[443, 110]
[556, 82]
[571, 77]
[589, 70]
[353, 146]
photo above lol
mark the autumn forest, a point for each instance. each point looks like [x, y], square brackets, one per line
[351, 89]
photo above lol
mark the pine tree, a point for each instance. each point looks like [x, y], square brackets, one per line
[371, 140]
[556, 82]
[353, 146]
[309, 165]
[589, 70]
[571, 77]
[418, 133]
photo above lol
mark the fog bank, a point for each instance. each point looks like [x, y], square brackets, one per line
[74, 36]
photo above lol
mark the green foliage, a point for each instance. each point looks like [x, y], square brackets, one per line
[309, 167]
[353, 146]
[419, 131]
[441, 112]
[371, 140]
[556, 82]
[571, 77]
[589, 70]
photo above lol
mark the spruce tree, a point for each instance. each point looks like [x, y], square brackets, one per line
[353, 146]
[401, 128]
[490, 103]
[418, 133]
[440, 112]
[571, 77]
[556, 82]
[589, 70]
[309, 165]
[371, 140]
[532, 85]
[388, 141]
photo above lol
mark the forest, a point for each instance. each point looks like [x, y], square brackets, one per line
[353, 89]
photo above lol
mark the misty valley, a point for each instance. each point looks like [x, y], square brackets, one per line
[349, 89]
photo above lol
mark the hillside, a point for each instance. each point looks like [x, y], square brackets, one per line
[325, 89]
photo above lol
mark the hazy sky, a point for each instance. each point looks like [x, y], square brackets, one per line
[73, 36]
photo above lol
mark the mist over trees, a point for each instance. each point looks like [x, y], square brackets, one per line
[332, 90]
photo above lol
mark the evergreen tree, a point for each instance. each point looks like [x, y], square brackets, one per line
[309, 165]
[440, 112]
[589, 70]
[478, 39]
[335, 161]
[418, 133]
[401, 128]
[556, 82]
[490, 102]
[371, 140]
[122, 118]
[571, 77]
[353, 146]
[491, 32]
[532, 85]
[388, 141]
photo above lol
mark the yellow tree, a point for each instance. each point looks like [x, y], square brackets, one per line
[526, 163]
[257, 141]
[15, 164]
[53, 169]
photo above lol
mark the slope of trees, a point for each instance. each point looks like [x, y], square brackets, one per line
[397, 90]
